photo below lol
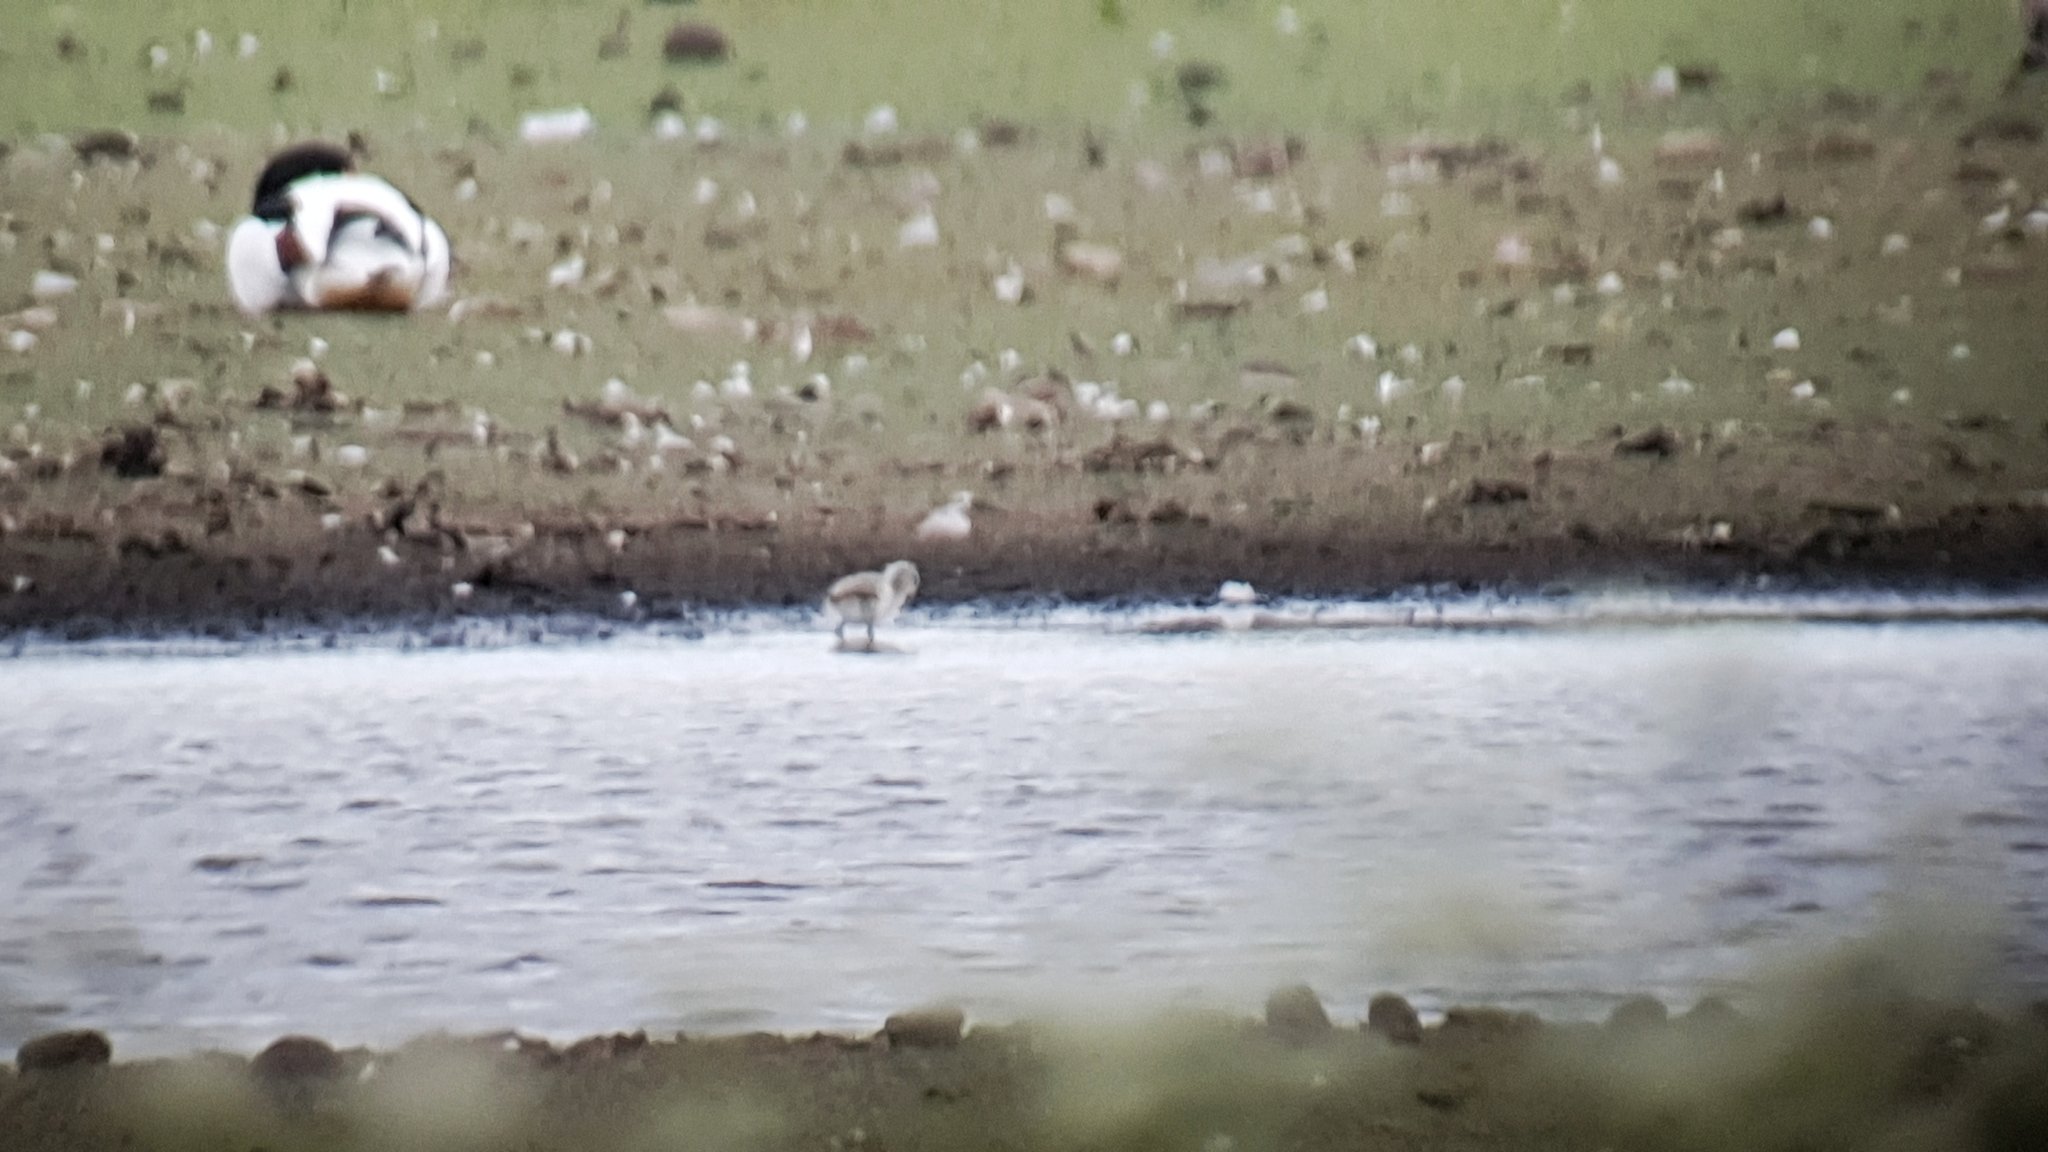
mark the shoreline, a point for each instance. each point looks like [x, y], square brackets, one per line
[79, 591]
[1854, 1060]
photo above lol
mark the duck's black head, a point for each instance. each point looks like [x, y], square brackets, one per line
[292, 165]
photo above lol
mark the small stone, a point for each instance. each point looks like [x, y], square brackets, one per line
[938, 1027]
[555, 126]
[1637, 1014]
[1391, 1016]
[48, 285]
[1296, 1013]
[80, 1048]
[1656, 440]
[296, 1060]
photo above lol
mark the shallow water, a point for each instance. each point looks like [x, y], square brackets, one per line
[748, 830]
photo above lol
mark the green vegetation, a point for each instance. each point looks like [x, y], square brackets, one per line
[1377, 65]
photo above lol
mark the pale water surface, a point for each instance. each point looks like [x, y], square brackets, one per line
[748, 830]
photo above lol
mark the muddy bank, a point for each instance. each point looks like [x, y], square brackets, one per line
[1854, 1066]
[81, 586]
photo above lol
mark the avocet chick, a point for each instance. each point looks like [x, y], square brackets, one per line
[949, 520]
[870, 598]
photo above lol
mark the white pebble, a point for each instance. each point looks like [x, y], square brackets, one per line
[1959, 352]
[1803, 390]
[1610, 285]
[1664, 81]
[881, 120]
[351, 455]
[615, 539]
[485, 358]
[1432, 453]
[920, 231]
[1287, 21]
[248, 45]
[555, 126]
[467, 190]
[1610, 172]
[1902, 396]
[670, 125]
[1820, 228]
[1009, 285]
[387, 556]
[710, 131]
[569, 343]
[21, 341]
[568, 273]
[1895, 244]
[48, 285]
[1454, 388]
[1315, 301]
[2035, 223]
[21, 584]
[628, 599]
[1787, 340]
[331, 521]
[1677, 385]
[1392, 386]
[796, 124]
[316, 347]
[1162, 44]
[1363, 347]
[1123, 344]
[462, 590]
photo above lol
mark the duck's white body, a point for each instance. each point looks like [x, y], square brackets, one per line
[338, 241]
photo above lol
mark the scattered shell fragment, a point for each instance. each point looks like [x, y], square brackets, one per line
[556, 126]
[920, 231]
[47, 285]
